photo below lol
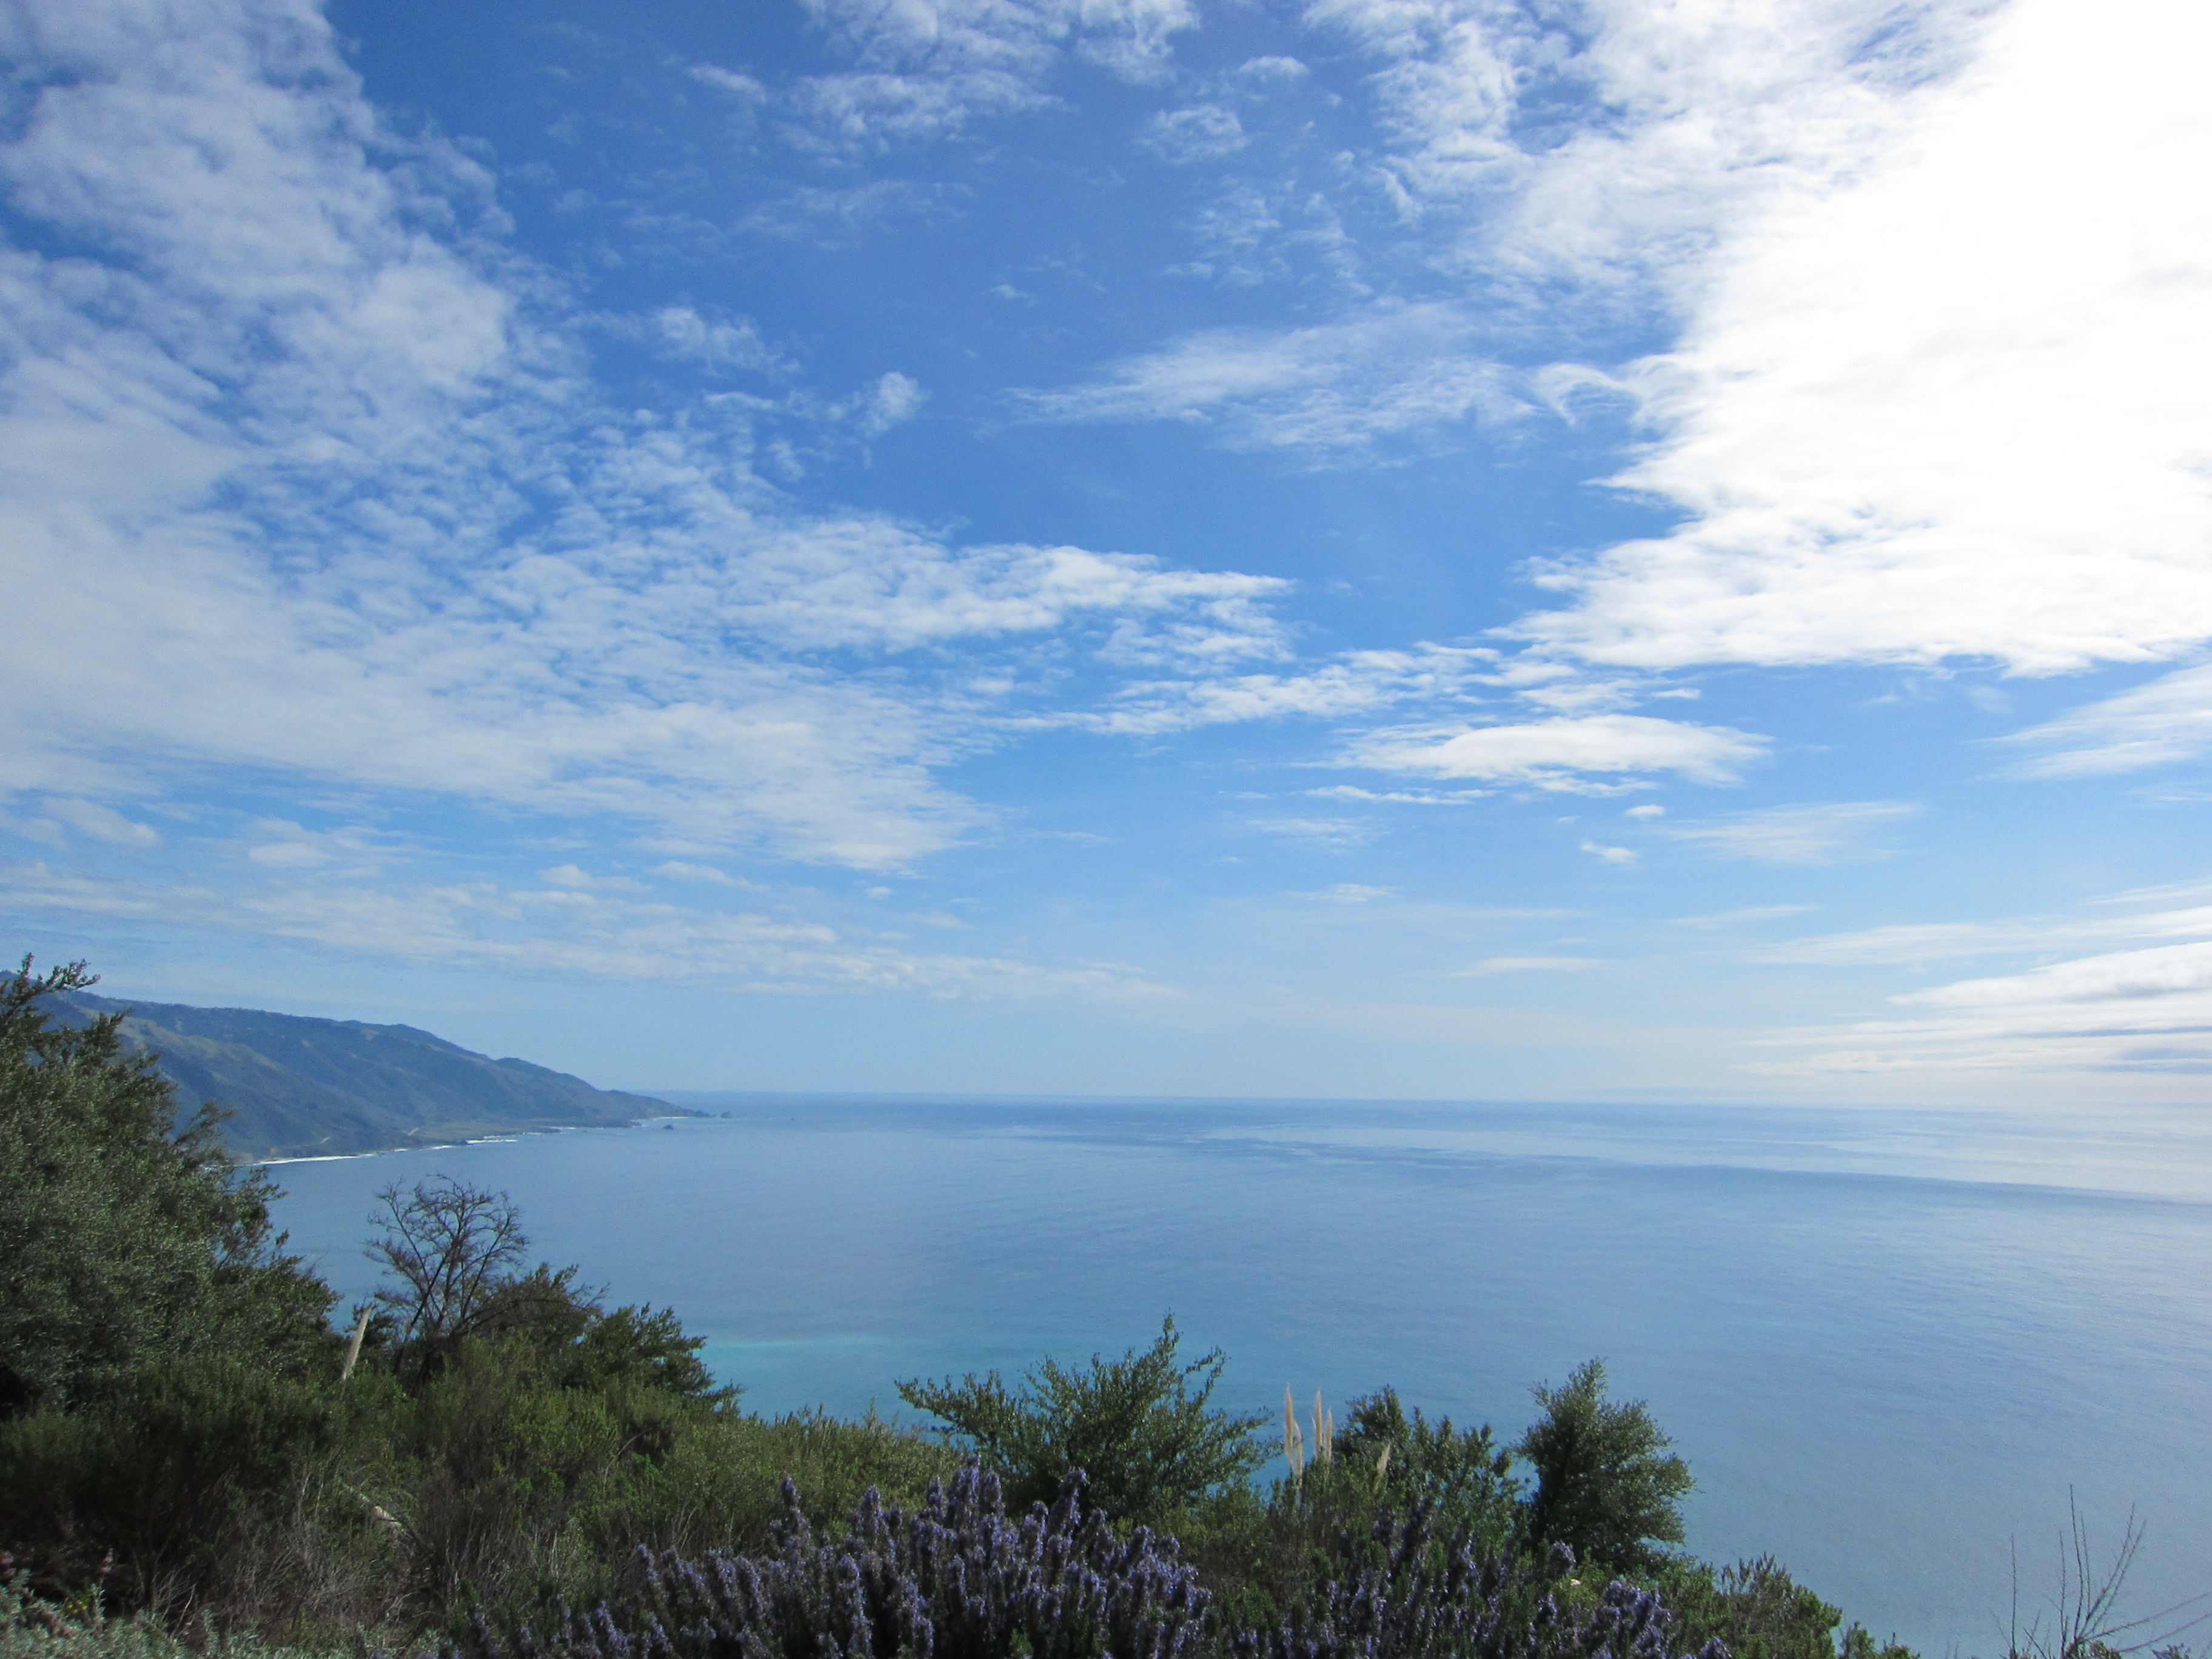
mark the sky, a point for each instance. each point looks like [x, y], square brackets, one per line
[1446, 549]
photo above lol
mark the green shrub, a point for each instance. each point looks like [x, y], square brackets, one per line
[126, 1241]
[178, 1478]
[1148, 1440]
[1755, 1607]
[1606, 1484]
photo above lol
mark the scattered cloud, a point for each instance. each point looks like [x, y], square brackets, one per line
[733, 82]
[2168, 720]
[683, 333]
[1203, 132]
[1551, 753]
[928, 71]
[1914, 943]
[568, 929]
[678, 870]
[1612, 854]
[577, 880]
[2130, 1011]
[1321, 835]
[1527, 965]
[1349, 893]
[1749, 913]
[1407, 797]
[100, 822]
[1333, 388]
[1836, 834]
[1357, 683]
[891, 401]
[328, 496]
[849, 215]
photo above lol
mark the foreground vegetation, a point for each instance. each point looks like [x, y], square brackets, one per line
[493, 1460]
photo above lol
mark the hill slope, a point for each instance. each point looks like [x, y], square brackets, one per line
[298, 1087]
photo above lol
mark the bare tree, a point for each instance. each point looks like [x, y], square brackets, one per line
[451, 1246]
[2085, 1621]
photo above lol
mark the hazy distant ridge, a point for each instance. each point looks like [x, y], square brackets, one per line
[299, 1086]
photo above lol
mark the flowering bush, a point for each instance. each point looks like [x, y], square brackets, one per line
[1420, 1599]
[957, 1577]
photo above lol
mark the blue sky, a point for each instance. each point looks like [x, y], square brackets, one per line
[1427, 548]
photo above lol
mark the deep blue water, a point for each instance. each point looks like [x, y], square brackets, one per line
[1888, 1343]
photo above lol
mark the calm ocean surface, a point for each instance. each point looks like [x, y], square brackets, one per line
[1887, 1342]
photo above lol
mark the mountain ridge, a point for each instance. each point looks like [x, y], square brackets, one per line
[297, 1086]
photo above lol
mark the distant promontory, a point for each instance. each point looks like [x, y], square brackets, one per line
[300, 1088]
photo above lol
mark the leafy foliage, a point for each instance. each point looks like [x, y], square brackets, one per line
[1753, 1609]
[125, 1240]
[1419, 1597]
[1150, 1443]
[1461, 1477]
[1606, 1484]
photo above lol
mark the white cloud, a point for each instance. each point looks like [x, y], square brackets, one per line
[2121, 975]
[1548, 753]
[1920, 942]
[281, 844]
[1322, 835]
[327, 495]
[929, 67]
[1402, 797]
[568, 930]
[1203, 132]
[1527, 965]
[891, 401]
[576, 879]
[681, 332]
[1349, 893]
[678, 870]
[2131, 1011]
[1332, 388]
[1834, 834]
[2145, 1009]
[1956, 402]
[1612, 854]
[1359, 682]
[732, 82]
[2168, 720]
[849, 215]
[1749, 913]
[100, 822]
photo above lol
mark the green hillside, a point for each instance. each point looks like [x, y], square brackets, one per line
[299, 1087]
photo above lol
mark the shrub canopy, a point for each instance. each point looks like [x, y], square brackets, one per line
[127, 1238]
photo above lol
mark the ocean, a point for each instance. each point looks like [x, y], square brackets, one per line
[1892, 1345]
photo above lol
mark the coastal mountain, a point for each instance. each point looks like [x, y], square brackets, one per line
[298, 1087]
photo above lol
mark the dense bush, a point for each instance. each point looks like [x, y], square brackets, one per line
[1606, 1484]
[125, 1240]
[1150, 1443]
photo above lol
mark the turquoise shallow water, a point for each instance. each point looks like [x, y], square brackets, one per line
[1888, 1343]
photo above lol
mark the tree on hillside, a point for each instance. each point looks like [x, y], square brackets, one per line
[127, 1240]
[451, 1249]
[1606, 1484]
